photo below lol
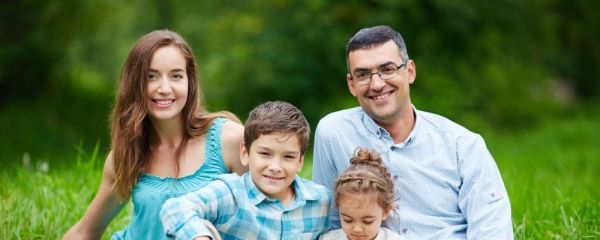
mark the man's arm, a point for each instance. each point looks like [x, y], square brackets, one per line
[324, 171]
[183, 217]
[482, 197]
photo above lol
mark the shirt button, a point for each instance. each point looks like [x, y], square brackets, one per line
[395, 177]
[404, 230]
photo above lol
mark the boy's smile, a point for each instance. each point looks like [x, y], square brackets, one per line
[274, 160]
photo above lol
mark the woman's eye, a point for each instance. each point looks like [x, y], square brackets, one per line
[177, 76]
[152, 77]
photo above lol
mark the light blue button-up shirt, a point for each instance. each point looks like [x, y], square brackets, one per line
[239, 210]
[447, 183]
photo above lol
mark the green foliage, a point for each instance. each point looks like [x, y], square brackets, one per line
[48, 130]
[501, 64]
[498, 59]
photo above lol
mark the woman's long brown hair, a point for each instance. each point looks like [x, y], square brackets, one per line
[130, 125]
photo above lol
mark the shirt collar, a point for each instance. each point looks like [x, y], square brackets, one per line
[380, 132]
[370, 124]
[301, 192]
[418, 123]
[254, 194]
[380, 234]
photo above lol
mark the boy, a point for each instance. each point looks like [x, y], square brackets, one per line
[268, 202]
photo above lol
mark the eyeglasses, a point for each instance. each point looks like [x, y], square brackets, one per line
[385, 72]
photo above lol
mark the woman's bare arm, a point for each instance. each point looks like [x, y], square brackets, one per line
[232, 135]
[104, 207]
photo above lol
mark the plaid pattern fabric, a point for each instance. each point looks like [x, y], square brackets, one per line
[238, 210]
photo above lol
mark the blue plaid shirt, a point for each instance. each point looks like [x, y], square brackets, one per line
[239, 210]
[448, 184]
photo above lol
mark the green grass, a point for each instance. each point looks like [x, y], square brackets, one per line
[550, 173]
[43, 204]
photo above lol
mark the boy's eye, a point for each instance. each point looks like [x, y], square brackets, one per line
[368, 222]
[347, 220]
[263, 153]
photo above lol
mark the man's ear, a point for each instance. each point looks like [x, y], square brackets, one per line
[244, 154]
[412, 71]
[350, 86]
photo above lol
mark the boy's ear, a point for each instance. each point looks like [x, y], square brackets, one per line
[243, 154]
[301, 163]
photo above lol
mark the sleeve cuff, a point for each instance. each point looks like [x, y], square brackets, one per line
[193, 229]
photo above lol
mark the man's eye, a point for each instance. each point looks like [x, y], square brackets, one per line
[388, 70]
[362, 74]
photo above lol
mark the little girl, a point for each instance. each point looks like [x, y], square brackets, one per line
[364, 195]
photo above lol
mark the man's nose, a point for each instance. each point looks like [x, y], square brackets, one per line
[376, 81]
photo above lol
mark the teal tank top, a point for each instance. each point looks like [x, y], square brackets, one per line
[151, 191]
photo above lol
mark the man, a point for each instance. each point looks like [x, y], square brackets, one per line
[448, 185]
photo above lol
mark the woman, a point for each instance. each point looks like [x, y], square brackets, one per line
[164, 143]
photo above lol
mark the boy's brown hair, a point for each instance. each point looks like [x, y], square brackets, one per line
[276, 116]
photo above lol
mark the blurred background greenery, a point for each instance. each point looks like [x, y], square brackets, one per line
[485, 64]
[501, 68]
